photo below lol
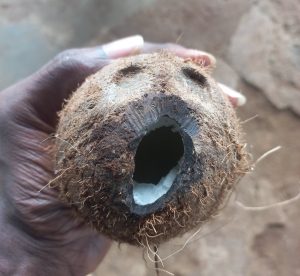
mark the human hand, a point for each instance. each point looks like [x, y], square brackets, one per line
[39, 234]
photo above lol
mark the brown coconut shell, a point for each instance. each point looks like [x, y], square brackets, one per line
[106, 119]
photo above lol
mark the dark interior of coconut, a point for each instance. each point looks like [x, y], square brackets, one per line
[157, 161]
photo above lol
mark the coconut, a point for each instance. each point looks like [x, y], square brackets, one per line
[148, 148]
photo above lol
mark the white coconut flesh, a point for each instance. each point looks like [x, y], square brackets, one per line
[147, 193]
[157, 162]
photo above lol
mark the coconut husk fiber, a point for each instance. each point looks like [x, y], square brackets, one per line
[131, 123]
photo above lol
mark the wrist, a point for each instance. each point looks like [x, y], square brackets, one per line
[21, 254]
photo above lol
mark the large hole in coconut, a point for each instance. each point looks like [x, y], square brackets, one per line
[156, 162]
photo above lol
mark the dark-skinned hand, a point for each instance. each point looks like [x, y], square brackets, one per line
[38, 233]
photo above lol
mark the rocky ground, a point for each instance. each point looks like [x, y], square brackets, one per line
[258, 50]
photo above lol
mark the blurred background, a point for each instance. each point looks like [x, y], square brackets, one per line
[257, 45]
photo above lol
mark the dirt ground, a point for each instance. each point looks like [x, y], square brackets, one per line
[238, 241]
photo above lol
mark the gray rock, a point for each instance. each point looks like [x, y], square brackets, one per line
[265, 50]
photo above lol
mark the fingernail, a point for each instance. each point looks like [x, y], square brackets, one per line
[196, 53]
[124, 47]
[235, 97]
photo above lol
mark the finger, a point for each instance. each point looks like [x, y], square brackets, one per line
[236, 98]
[200, 57]
[124, 47]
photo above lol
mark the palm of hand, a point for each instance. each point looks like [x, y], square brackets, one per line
[27, 119]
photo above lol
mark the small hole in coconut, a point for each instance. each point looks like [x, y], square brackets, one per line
[194, 75]
[126, 76]
[130, 70]
[157, 161]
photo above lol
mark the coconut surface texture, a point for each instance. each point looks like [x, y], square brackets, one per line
[148, 148]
